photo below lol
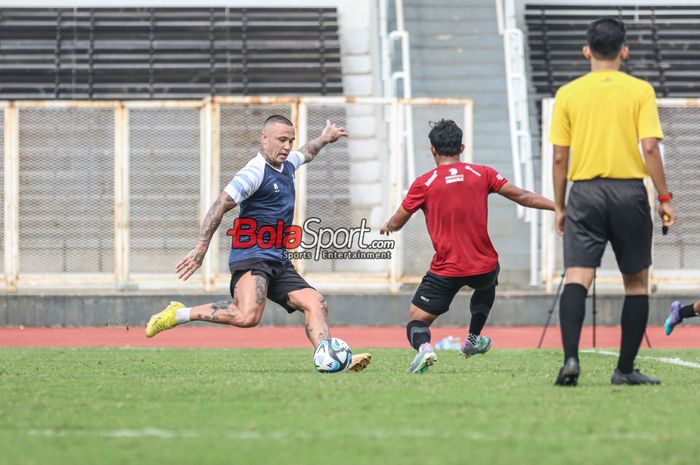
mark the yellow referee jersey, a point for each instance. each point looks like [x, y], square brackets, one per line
[602, 116]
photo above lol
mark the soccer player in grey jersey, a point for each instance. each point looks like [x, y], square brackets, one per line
[264, 190]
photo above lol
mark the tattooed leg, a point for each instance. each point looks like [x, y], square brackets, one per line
[218, 312]
[244, 311]
[260, 290]
[315, 310]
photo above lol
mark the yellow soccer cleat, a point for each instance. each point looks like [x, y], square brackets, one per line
[359, 362]
[163, 320]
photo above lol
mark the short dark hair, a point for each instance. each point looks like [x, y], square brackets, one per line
[605, 37]
[277, 119]
[446, 137]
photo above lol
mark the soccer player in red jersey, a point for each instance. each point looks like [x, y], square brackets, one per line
[454, 199]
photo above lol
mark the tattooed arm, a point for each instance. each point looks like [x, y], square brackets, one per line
[193, 260]
[330, 134]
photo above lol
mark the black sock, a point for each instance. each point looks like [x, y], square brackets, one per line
[687, 312]
[480, 306]
[635, 313]
[418, 333]
[572, 310]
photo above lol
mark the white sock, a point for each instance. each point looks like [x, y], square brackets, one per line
[183, 315]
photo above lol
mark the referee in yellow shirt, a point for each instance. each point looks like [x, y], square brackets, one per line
[598, 123]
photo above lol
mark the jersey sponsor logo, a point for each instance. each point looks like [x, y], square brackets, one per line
[499, 176]
[431, 179]
[454, 176]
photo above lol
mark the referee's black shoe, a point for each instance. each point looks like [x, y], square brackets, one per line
[635, 377]
[568, 374]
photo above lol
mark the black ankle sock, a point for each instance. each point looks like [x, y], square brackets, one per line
[418, 333]
[687, 312]
[480, 306]
[572, 310]
[635, 313]
[477, 323]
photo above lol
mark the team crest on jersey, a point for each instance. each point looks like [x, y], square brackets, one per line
[454, 176]
[277, 189]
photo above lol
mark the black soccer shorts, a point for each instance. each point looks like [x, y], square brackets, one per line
[435, 293]
[281, 276]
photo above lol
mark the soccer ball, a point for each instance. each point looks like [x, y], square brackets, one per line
[332, 355]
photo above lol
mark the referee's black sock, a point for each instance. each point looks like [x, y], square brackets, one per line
[635, 313]
[480, 306]
[418, 333]
[572, 310]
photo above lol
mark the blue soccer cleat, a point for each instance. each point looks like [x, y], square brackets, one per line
[673, 318]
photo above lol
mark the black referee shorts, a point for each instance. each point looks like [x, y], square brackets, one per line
[602, 210]
[281, 276]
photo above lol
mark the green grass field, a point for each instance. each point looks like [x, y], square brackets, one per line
[138, 406]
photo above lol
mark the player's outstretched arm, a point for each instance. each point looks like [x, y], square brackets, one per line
[396, 222]
[193, 260]
[330, 134]
[525, 197]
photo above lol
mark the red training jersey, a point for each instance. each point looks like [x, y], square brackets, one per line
[454, 199]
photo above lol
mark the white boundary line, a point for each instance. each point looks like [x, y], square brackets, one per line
[267, 436]
[669, 360]
[253, 435]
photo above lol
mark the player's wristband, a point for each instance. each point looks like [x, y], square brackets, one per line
[665, 198]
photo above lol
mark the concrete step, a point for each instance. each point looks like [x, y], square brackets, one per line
[433, 35]
[447, 82]
[450, 3]
[452, 88]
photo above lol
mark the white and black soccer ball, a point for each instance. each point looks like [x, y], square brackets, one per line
[332, 355]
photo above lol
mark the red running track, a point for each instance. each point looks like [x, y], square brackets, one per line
[525, 337]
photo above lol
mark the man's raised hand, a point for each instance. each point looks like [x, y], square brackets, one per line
[332, 133]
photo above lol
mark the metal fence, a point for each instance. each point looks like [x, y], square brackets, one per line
[111, 194]
[676, 257]
[2, 191]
